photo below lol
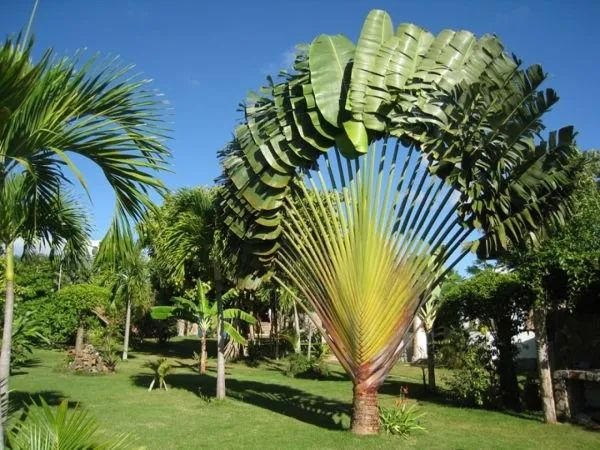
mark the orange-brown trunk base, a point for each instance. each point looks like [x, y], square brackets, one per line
[365, 414]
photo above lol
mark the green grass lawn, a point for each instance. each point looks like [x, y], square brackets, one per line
[267, 410]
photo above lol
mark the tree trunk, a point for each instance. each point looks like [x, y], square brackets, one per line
[203, 352]
[309, 349]
[275, 328]
[59, 276]
[79, 339]
[127, 328]
[9, 277]
[297, 342]
[220, 337]
[180, 327]
[543, 360]
[419, 340]
[365, 414]
[431, 361]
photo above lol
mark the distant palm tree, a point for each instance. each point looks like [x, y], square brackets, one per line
[129, 274]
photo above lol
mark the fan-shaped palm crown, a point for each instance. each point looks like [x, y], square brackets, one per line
[363, 173]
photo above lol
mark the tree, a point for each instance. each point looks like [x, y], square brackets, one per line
[498, 301]
[49, 110]
[563, 270]
[128, 274]
[201, 311]
[81, 301]
[434, 137]
[60, 220]
[428, 315]
[189, 242]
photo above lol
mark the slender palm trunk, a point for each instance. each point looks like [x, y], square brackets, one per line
[275, 328]
[79, 339]
[9, 278]
[431, 361]
[220, 338]
[547, 394]
[365, 414]
[298, 345]
[203, 355]
[309, 349]
[127, 329]
[59, 276]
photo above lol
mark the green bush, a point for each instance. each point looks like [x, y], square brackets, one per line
[60, 314]
[297, 364]
[300, 366]
[401, 420]
[474, 381]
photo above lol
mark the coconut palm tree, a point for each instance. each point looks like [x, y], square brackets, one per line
[433, 146]
[54, 108]
[58, 221]
[128, 273]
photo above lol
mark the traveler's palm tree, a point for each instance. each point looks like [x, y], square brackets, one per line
[52, 109]
[432, 146]
[205, 313]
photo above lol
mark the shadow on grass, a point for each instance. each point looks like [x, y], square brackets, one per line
[21, 368]
[182, 348]
[288, 401]
[417, 391]
[20, 399]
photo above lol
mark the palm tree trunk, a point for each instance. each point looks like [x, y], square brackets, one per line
[59, 276]
[9, 277]
[365, 414]
[203, 352]
[298, 344]
[309, 349]
[127, 329]
[220, 337]
[547, 394]
[79, 339]
[431, 361]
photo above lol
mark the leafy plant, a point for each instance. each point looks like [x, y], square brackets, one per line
[26, 333]
[400, 128]
[474, 382]
[297, 364]
[161, 367]
[401, 420]
[201, 311]
[45, 428]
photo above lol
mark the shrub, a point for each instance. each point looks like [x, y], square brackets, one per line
[298, 364]
[401, 420]
[26, 333]
[60, 314]
[474, 382]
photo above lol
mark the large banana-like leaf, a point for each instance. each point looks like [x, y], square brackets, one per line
[363, 204]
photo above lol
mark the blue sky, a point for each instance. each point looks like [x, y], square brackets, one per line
[205, 56]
